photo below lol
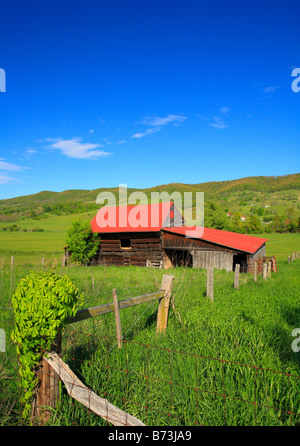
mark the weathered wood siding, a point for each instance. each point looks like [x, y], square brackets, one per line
[166, 248]
[261, 252]
[176, 241]
[143, 247]
[214, 259]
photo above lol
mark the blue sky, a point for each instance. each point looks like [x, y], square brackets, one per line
[143, 93]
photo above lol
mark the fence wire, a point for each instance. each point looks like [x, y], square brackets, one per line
[160, 386]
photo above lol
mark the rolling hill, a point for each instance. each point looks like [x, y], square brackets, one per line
[38, 223]
[276, 192]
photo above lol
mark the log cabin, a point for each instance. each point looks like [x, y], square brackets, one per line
[156, 235]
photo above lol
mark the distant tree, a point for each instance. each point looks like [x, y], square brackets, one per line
[260, 211]
[254, 225]
[215, 217]
[82, 242]
[290, 212]
[237, 225]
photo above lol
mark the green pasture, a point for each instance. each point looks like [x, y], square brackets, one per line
[281, 245]
[226, 362]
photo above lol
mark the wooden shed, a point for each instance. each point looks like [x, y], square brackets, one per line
[156, 235]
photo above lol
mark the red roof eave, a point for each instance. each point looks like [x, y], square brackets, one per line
[241, 242]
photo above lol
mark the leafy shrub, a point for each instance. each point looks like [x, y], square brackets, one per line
[41, 302]
[82, 243]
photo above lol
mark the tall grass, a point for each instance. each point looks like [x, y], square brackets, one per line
[224, 362]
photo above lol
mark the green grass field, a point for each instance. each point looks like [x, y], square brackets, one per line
[224, 362]
[281, 245]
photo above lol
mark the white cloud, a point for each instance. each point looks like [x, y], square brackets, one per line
[145, 133]
[74, 148]
[10, 167]
[218, 123]
[225, 110]
[158, 122]
[5, 179]
[91, 131]
[121, 142]
[271, 89]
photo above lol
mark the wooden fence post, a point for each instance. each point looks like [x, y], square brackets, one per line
[288, 259]
[265, 266]
[210, 283]
[237, 276]
[47, 393]
[255, 271]
[163, 309]
[117, 318]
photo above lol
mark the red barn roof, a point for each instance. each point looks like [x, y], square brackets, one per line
[134, 218]
[241, 242]
[155, 217]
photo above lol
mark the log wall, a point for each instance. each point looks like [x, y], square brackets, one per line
[143, 247]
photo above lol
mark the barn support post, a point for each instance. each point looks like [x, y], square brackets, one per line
[210, 283]
[163, 309]
[47, 393]
[237, 276]
[117, 319]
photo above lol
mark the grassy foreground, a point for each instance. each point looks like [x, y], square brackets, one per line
[224, 362]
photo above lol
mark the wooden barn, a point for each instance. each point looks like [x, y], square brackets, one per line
[156, 235]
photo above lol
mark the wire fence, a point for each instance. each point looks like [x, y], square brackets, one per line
[159, 386]
[169, 387]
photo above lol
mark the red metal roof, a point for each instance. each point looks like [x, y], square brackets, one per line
[241, 242]
[152, 218]
[133, 218]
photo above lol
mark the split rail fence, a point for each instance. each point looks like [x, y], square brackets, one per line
[52, 369]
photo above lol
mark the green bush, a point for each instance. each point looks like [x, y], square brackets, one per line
[41, 302]
[82, 243]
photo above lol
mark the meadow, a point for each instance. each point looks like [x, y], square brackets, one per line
[227, 362]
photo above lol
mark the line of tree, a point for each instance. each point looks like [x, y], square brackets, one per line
[217, 218]
[15, 228]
